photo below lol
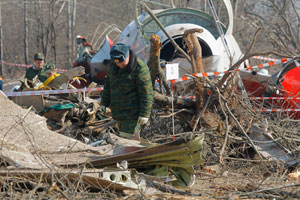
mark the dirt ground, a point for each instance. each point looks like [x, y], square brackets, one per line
[237, 180]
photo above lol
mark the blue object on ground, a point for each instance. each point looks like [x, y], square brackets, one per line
[97, 143]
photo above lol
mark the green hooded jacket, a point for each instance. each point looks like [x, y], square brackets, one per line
[128, 91]
[31, 73]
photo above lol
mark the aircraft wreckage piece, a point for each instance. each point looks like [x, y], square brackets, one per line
[270, 149]
[175, 158]
[175, 22]
[26, 141]
[66, 77]
[90, 179]
[283, 83]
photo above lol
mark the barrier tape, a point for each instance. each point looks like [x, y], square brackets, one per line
[276, 110]
[207, 74]
[256, 98]
[187, 97]
[265, 58]
[45, 92]
[271, 63]
[262, 110]
[27, 66]
[274, 98]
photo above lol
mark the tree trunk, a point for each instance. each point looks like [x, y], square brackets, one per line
[52, 30]
[25, 33]
[73, 26]
[69, 34]
[195, 53]
[236, 4]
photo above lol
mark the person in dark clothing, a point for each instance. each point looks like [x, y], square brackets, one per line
[128, 91]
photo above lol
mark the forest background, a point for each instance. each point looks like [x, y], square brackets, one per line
[51, 26]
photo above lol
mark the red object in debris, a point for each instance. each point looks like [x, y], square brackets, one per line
[254, 83]
[291, 82]
[291, 88]
[285, 83]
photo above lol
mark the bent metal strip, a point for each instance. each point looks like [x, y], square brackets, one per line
[46, 92]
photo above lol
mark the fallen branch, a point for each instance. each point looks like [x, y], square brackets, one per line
[239, 125]
[186, 103]
[270, 189]
[221, 160]
[167, 188]
[202, 111]
[175, 113]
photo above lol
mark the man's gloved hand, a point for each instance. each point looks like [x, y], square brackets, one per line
[143, 120]
[103, 109]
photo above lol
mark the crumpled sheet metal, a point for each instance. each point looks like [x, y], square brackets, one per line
[270, 148]
[175, 158]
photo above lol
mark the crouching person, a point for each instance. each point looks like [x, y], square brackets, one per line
[128, 91]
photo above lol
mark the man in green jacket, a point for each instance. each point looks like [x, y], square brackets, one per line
[37, 68]
[128, 91]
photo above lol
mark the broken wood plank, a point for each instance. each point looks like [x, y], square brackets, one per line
[166, 100]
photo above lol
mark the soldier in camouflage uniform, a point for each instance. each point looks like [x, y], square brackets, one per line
[128, 91]
[37, 68]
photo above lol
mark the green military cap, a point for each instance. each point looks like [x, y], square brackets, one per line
[49, 67]
[38, 56]
[119, 52]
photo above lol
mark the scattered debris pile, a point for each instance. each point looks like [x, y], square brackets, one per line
[85, 152]
[82, 152]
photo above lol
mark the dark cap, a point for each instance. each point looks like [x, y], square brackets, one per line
[119, 52]
[49, 67]
[38, 56]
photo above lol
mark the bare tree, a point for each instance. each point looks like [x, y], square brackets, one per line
[69, 35]
[25, 33]
[73, 25]
[280, 21]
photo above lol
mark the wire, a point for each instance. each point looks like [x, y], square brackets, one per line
[219, 28]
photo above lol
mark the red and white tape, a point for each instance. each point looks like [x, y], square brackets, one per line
[16, 65]
[276, 110]
[46, 92]
[265, 58]
[256, 98]
[271, 63]
[274, 98]
[187, 97]
[27, 66]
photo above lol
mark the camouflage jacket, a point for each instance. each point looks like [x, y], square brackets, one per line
[31, 73]
[128, 91]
